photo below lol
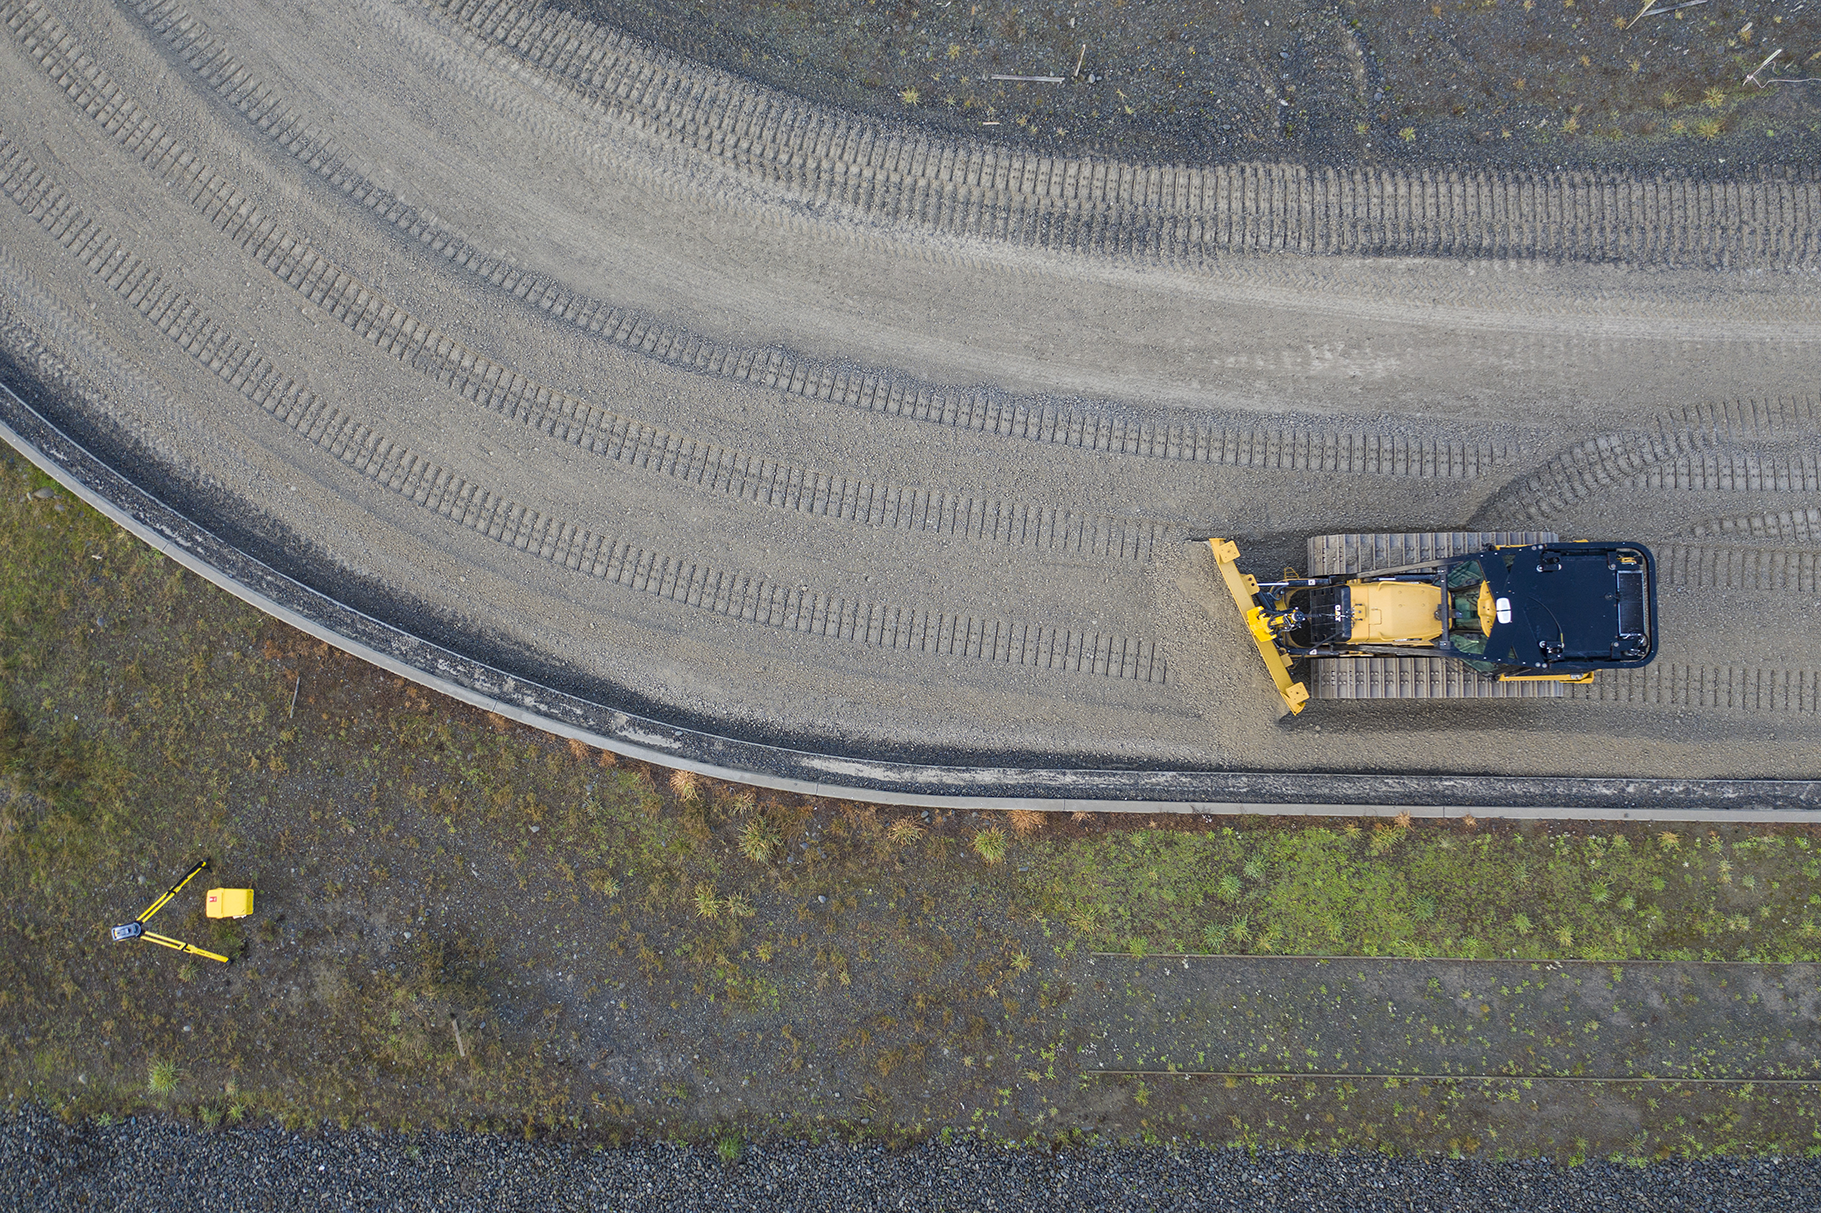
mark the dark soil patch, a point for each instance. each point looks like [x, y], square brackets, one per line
[1520, 83]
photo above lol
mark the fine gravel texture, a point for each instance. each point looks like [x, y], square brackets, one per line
[157, 1165]
[702, 401]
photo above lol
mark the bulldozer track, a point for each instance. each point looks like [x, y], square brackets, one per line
[1801, 526]
[735, 595]
[1124, 432]
[1413, 677]
[1696, 449]
[493, 386]
[1106, 206]
[1681, 685]
[1736, 568]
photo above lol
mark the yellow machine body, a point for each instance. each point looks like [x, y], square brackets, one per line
[230, 903]
[1394, 612]
[1243, 586]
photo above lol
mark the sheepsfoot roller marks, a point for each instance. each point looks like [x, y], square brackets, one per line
[1453, 614]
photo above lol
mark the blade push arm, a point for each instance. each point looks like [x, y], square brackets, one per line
[1242, 587]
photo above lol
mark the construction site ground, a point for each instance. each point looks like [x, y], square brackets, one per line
[801, 410]
[792, 425]
[630, 957]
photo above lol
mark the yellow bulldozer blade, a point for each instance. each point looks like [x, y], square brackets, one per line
[1243, 586]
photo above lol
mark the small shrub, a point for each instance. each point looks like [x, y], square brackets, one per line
[1026, 822]
[161, 1079]
[989, 844]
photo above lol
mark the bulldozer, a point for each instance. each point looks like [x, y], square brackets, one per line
[1453, 614]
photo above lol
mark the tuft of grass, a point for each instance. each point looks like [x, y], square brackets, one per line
[1520, 922]
[729, 1147]
[1026, 822]
[989, 844]
[687, 786]
[707, 904]
[759, 841]
[1229, 888]
[161, 1078]
[904, 831]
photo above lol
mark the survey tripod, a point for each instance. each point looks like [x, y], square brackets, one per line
[136, 928]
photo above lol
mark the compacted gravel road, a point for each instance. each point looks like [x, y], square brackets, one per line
[707, 402]
[154, 1165]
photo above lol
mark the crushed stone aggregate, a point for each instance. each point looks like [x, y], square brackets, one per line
[155, 1164]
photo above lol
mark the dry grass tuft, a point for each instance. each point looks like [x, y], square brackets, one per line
[904, 831]
[1026, 822]
[578, 749]
[1403, 820]
[1469, 820]
[1080, 815]
[687, 785]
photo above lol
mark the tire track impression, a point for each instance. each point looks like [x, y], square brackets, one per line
[622, 439]
[235, 360]
[1106, 207]
[1108, 429]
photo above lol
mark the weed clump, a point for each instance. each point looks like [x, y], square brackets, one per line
[1026, 822]
[904, 831]
[729, 1147]
[759, 841]
[989, 844]
[686, 785]
[161, 1079]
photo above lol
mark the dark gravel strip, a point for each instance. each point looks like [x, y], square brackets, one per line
[153, 1164]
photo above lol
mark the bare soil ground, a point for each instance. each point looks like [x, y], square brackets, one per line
[1507, 82]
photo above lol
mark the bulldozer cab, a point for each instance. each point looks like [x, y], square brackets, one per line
[1557, 607]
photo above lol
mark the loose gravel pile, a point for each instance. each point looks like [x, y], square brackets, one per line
[153, 1164]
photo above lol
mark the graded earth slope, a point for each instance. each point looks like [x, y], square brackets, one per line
[690, 400]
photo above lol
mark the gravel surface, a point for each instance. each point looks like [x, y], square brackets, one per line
[154, 1164]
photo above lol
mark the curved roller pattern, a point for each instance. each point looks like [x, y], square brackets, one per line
[696, 420]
